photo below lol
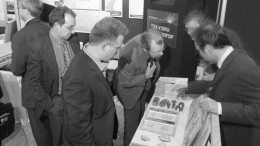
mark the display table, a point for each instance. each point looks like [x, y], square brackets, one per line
[173, 121]
[5, 54]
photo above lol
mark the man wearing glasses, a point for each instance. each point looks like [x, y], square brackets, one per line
[138, 61]
[50, 60]
[89, 109]
[235, 89]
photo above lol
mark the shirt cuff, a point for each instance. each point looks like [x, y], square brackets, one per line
[219, 108]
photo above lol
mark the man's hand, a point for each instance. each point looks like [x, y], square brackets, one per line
[150, 70]
[57, 105]
[209, 105]
[182, 92]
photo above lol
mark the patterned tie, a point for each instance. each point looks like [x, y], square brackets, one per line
[67, 57]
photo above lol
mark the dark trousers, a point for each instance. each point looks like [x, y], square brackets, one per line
[132, 118]
[40, 128]
[47, 130]
[56, 124]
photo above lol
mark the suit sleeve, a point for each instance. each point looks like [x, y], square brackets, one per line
[198, 87]
[74, 42]
[19, 55]
[247, 109]
[128, 77]
[78, 105]
[41, 96]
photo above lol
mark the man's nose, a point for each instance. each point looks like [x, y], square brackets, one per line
[73, 31]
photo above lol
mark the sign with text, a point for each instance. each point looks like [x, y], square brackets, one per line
[166, 23]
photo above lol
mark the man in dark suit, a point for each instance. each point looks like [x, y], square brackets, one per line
[138, 61]
[88, 100]
[193, 20]
[48, 63]
[21, 65]
[235, 92]
[196, 18]
[21, 40]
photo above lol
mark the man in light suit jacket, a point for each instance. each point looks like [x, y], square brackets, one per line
[48, 65]
[88, 99]
[235, 92]
[138, 61]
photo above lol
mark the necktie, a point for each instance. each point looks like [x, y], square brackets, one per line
[104, 71]
[67, 58]
[216, 77]
[156, 72]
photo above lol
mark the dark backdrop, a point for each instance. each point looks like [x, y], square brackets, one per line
[181, 61]
[243, 17]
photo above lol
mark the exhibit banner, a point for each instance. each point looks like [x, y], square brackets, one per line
[166, 23]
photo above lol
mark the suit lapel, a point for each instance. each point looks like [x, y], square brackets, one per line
[100, 75]
[74, 45]
[103, 80]
[50, 54]
[225, 65]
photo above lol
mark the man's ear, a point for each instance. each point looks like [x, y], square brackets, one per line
[104, 47]
[56, 24]
[27, 11]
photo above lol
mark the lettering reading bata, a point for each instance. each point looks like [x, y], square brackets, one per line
[168, 104]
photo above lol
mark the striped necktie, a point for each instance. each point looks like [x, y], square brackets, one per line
[67, 58]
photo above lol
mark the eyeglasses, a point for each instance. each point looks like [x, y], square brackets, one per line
[117, 48]
[70, 28]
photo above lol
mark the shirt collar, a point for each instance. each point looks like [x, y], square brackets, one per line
[224, 56]
[101, 65]
[29, 20]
